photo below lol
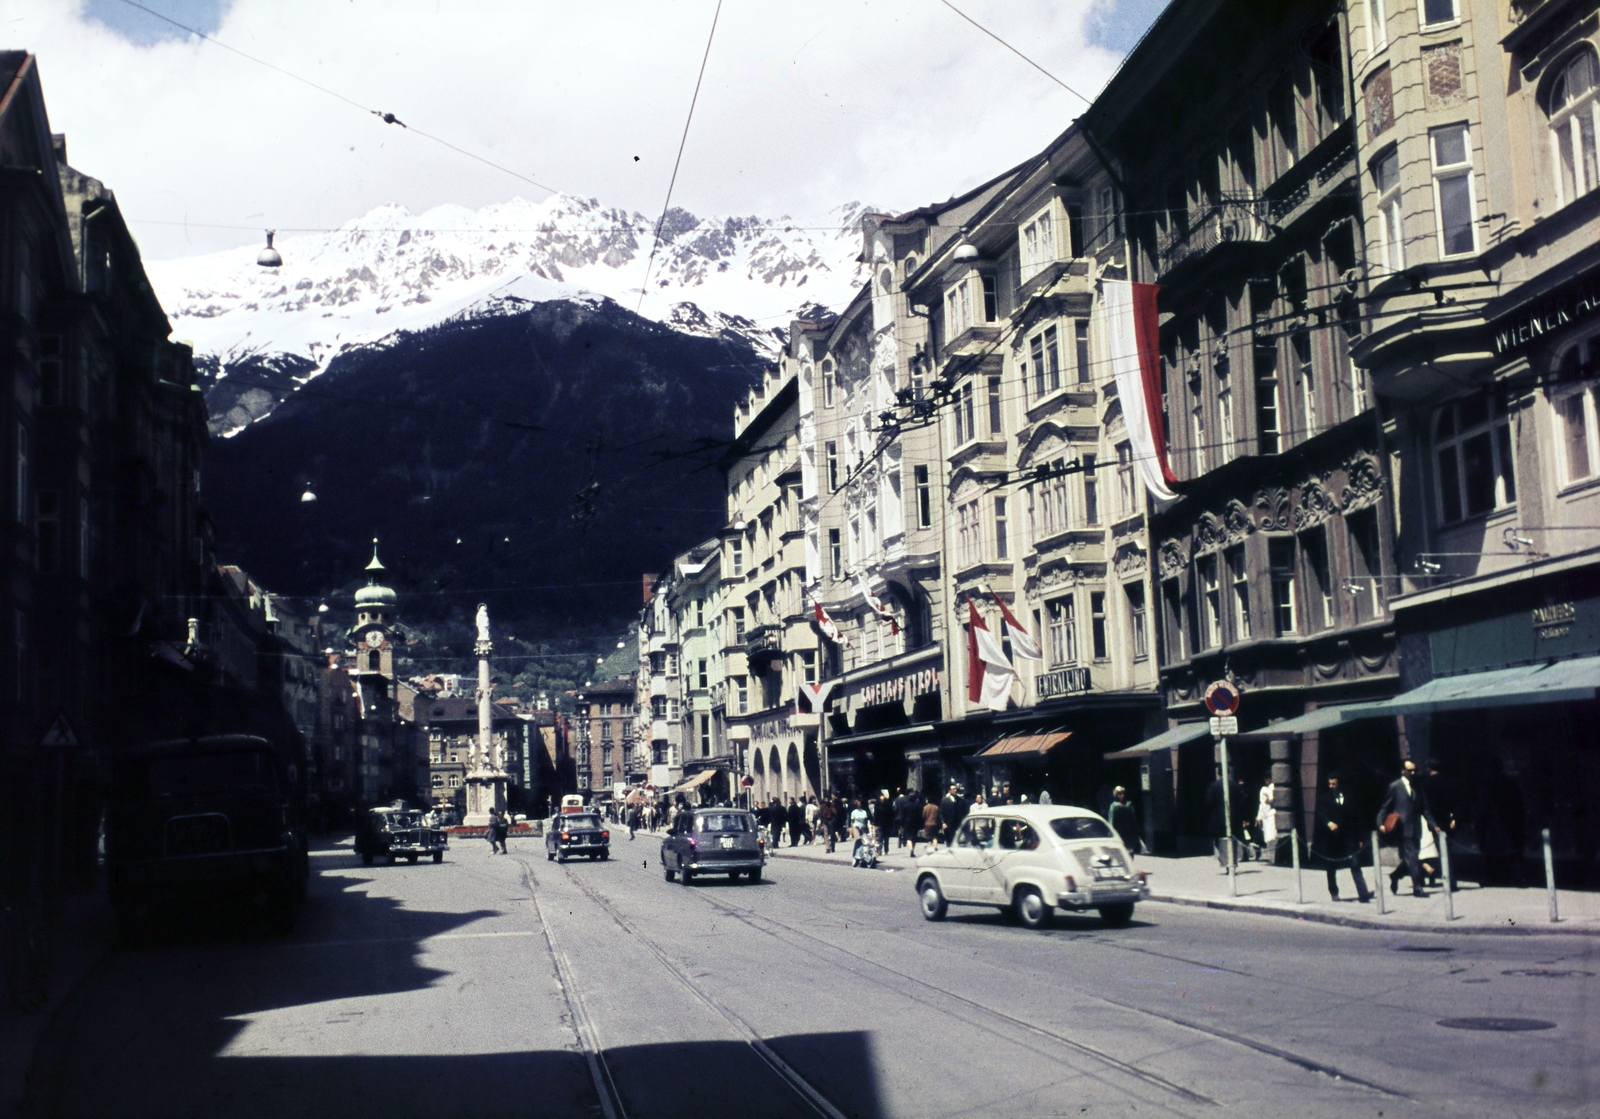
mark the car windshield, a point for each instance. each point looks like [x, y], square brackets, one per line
[1080, 827]
[724, 821]
[187, 774]
[404, 820]
[576, 820]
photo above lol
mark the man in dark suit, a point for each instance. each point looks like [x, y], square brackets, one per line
[1336, 838]
[1407, 802]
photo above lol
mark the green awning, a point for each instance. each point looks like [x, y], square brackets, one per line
[1320, 719]
[1177, 736]
[1562, 682]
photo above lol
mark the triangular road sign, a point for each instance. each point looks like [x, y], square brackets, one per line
[60, 733]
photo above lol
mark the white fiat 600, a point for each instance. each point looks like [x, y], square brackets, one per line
[1032, 859]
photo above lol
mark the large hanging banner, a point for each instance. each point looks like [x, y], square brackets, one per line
[1133, 345]
[989, 673]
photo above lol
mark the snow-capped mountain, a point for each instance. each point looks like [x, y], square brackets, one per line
[391, 271]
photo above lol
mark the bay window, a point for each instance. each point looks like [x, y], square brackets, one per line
[1473, 453]
[1451, 153]
[1573, 401]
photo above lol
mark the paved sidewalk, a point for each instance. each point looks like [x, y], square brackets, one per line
[1270, 891]
[83, 935]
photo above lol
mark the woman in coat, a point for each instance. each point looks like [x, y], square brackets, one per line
[1267, 820]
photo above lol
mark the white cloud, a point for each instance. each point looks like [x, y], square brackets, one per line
[804, 106]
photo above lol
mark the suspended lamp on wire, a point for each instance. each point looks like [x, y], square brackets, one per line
[269, 257]
[966, 250]
[307, 496]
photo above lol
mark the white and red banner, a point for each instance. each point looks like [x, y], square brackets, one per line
[817, 694]
[989, 673]
[1133, 345]
[1022, 642]
[876, 604]
[827, 626]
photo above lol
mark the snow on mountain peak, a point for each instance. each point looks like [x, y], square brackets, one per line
[392, 270]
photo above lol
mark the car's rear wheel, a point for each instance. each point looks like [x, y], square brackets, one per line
[666, 872]
[686, 876]
[366, 858]
[561, 856]
[438, 856]
[1117, 915]
[1031, 908]
[755, 875]
[934, 905]
[412, 859]
[604, 855]
[549, 854]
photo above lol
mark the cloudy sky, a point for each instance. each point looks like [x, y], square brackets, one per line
[805, 105]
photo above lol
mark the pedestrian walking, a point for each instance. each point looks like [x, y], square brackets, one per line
[829, 814]
[1267, 819]
[860, 820]
[1217, 815]
[813, 815]
[1402, 816]
[950, 813]
[1124, 820]
[1045, 798]
[930, 823]
[883, 819]
[1336, 838]
[795, 816]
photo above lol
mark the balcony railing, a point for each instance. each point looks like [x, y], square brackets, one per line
[1227, 223]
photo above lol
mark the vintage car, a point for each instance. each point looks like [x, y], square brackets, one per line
[577, 833]
[398, 833]
[714, 841]
[205, 821]
[1032, 860]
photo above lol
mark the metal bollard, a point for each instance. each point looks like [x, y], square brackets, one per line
[1233, 867]
[1377, 874]
[1550, 875]
[1449, 882]
[1294, 850]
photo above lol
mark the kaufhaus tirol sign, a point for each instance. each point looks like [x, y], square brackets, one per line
[897, 689]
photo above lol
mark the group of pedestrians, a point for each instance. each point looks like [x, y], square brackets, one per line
[1405, 816]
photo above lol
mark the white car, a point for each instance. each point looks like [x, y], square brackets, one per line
[1032, 859]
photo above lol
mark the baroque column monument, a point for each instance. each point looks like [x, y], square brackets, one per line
[486, 779]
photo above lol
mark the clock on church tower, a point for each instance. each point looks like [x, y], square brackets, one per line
[375, 623]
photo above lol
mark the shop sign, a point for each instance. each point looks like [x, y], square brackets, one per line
[769, 728]
[1554, 620]
[1063, 681]
[1548, 316]
[898, 689]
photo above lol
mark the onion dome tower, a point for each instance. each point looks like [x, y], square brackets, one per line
[372, 637]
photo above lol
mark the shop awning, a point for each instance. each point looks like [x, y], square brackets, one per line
[1028, 744]
[696, 781]
[1562, 682]
[1320, 719]
[1177, 736]
[872, 737]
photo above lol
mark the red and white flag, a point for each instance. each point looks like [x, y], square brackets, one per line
[1133, 344]
[989, 673]
[1022, 642]
[827, 626]
[877, 604]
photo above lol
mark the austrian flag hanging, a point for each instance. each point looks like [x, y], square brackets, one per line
[827, 626]
[1133, 344]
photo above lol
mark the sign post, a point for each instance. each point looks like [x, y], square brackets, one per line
[1222, 700]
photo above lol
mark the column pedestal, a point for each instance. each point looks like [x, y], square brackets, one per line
[486, 791]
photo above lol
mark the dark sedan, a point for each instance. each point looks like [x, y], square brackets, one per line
[577, 833]
[714, 841]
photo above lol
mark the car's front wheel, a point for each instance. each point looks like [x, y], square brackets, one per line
[934, 905]
[366, 858]
[1031, 908]
[1117, 915]
[685, 876]
[438, 856]
[666, 872]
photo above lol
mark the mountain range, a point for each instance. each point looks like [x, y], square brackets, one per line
[487, 393]
[390, 272]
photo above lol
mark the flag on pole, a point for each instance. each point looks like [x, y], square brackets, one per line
[989, 673]
[827, 626]
[1022, 642]
[1133, 345]
[877, 604]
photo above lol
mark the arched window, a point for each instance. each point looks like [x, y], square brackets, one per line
[1573, 105]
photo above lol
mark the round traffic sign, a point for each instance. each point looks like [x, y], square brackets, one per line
[1222, 698]
[747, 781]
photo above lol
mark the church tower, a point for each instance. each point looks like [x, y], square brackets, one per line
[373, 637]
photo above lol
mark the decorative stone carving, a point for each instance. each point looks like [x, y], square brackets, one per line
[1130, 559]
[1211, 533]
[1363, 485]
[1272, 509]
[1173, 560]
[1237, 518]
[1316, 505]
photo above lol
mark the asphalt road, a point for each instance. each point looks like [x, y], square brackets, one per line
[511, 986]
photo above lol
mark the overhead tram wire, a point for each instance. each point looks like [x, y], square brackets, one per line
[1015, 51]
[385, 117]
[666, 206]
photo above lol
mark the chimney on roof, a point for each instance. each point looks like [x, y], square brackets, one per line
[58, 142]
[650, 587]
